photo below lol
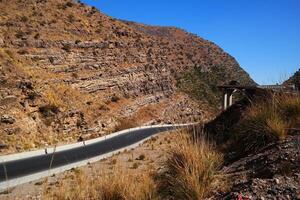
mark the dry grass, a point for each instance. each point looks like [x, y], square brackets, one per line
[125, 123]
[121, 185]
[189, 173]
[267, 120]
[189, 169]
[63, 96]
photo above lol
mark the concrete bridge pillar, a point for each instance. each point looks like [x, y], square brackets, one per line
[228, 98]
[225, 98]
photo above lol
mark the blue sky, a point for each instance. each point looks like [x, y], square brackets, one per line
[263, 35]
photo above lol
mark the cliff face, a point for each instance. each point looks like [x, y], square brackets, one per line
[67, 70]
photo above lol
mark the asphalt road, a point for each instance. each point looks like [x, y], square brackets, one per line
[20, 168]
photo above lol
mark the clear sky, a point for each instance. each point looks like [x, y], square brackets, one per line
[263, 35]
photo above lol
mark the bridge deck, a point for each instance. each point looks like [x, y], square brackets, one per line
[253, 87]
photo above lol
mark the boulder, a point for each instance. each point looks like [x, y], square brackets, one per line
[7, 119]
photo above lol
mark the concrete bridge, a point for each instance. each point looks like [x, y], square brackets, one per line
[234, 86]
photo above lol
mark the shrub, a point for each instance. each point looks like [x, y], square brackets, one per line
[49, 110]
[71, 18]
[113, 162]
[189, 169]
[69, 4]
[67, 47]
[77, 41]
[37, 36]
[20, 34]
[32, 95]
[24, 19]
[64, 6]
[141, 157]
[115, 99]
[267, 120]
[135, 165]
[125, 124]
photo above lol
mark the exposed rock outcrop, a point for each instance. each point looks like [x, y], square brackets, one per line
[96, 70]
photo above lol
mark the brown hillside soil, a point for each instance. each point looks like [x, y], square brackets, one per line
[271, 173]
[69, 71]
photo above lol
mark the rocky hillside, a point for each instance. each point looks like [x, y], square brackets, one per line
[295, 79]
[69, 71]
[260, 141]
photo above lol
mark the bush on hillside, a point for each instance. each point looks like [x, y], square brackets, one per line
[125, 123]
[267, 120]
[189, 170]
[67, 48]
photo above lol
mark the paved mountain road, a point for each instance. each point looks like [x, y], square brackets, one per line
[31, 165]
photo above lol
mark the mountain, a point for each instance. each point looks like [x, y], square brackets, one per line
[295, 79]
[69, 71]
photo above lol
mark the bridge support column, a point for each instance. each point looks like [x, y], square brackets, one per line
[228, 98]
[225, 103]
[231, 97]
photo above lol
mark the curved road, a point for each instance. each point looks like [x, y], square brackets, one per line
[23, 167]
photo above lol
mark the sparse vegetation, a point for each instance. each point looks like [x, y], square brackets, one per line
[268, 119]
[295, 79]
[141, 157]
[200, 85]
[24, 19]
[67, 47]
[71, 18]
[62, 96]
[188, 173]
[135, 165]
[121, 185]
[49, 110]
[189, 169]
[115, 98]
[113, 161]
[125, 123]
[20, 34]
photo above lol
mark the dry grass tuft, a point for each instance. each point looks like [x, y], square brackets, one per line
[189, 169]
[63, 96]
[120, 185]
[267, 120]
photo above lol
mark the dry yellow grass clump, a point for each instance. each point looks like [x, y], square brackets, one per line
[120, 185]
[190, 169]
[269, 119]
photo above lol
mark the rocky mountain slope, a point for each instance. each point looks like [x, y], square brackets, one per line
[295, 79]
[271, 173]
[69, 71]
